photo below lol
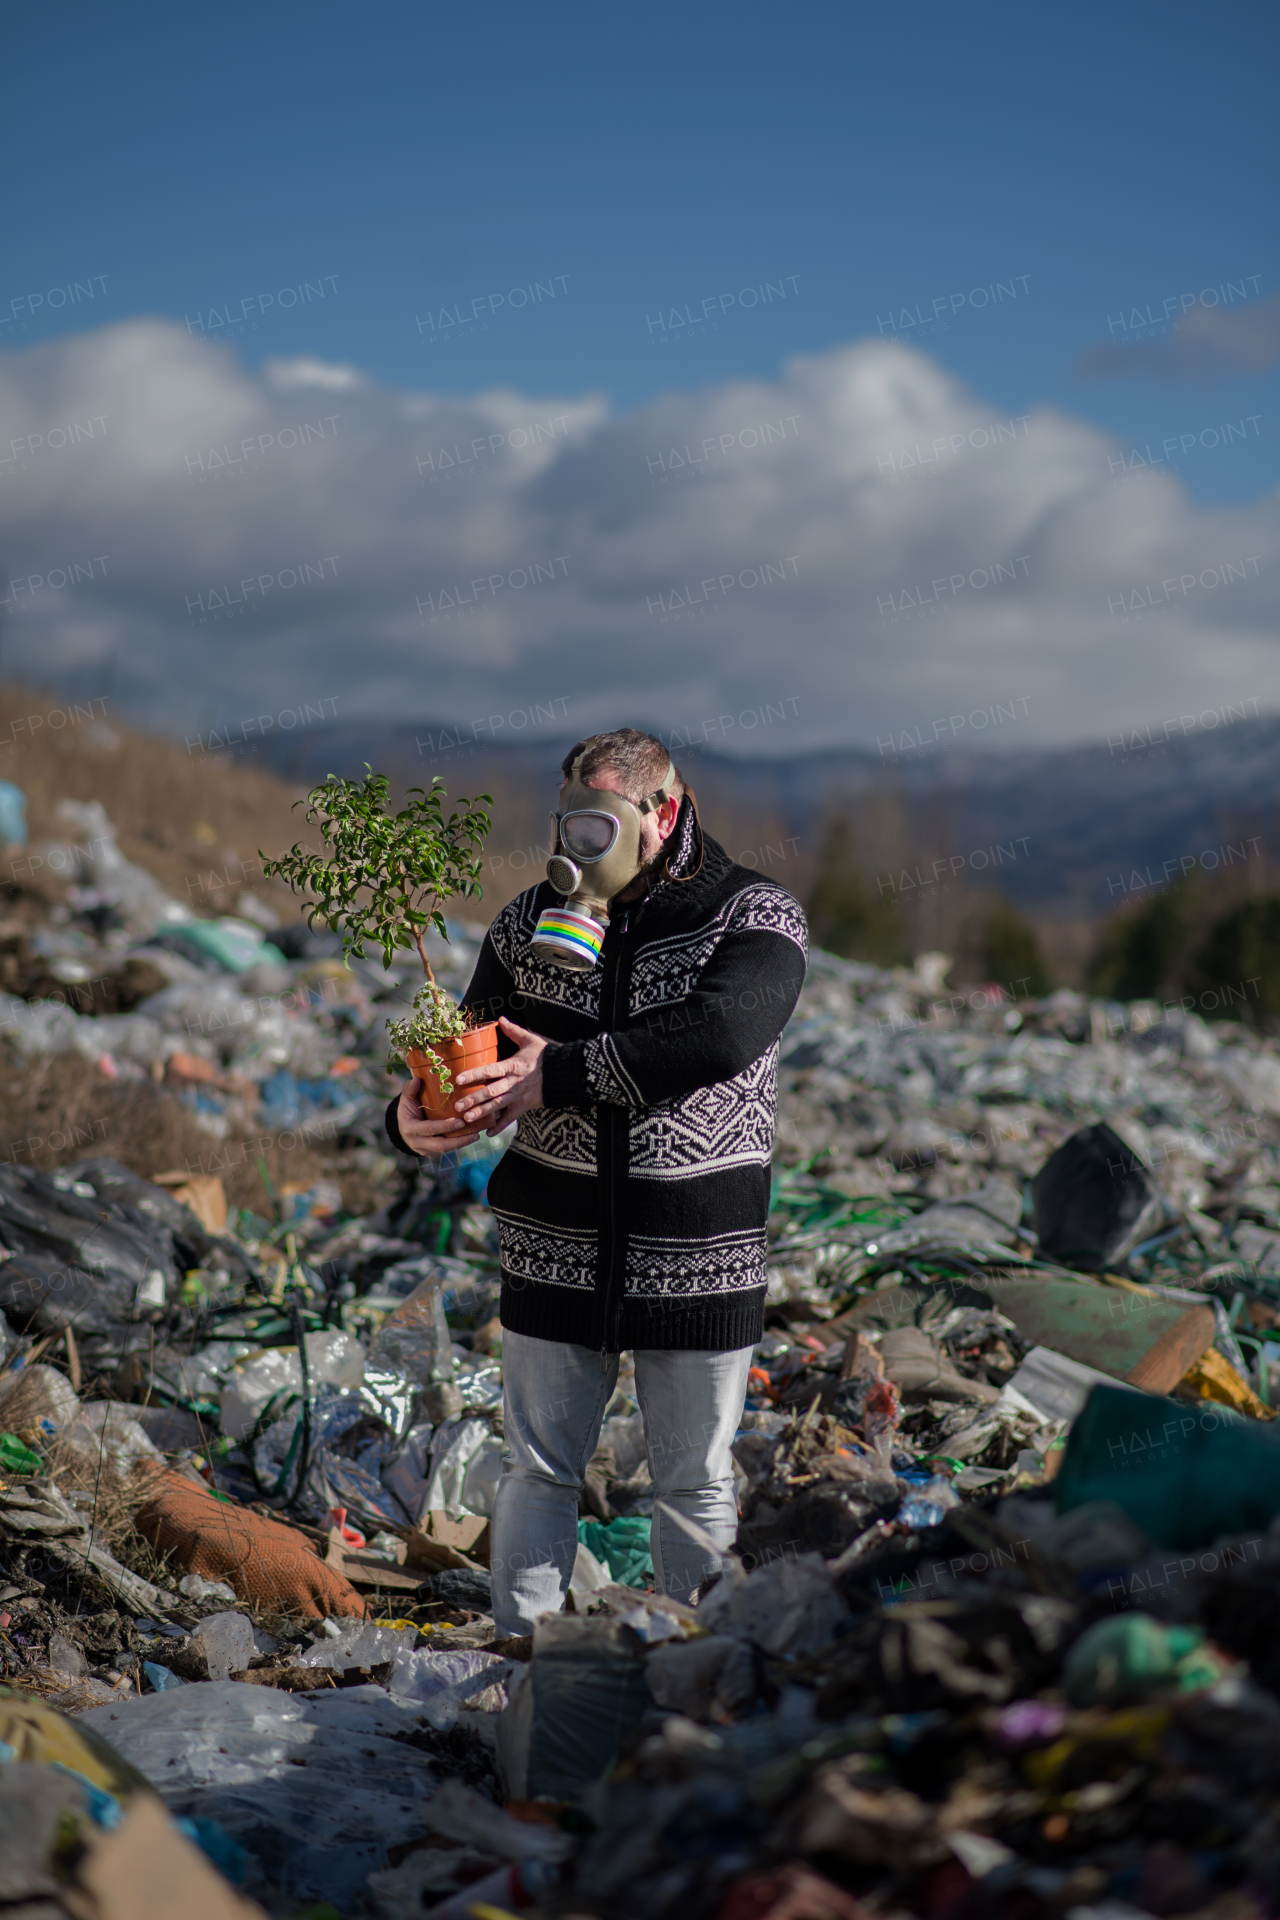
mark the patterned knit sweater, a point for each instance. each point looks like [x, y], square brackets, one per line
[631, 1207]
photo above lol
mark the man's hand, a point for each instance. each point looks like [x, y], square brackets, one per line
[424, 1136]
[499, 1093]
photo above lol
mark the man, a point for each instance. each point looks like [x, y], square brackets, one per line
[631, 1205]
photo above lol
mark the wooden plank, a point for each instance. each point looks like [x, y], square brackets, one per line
[1130, 1334]
[1175, 1352]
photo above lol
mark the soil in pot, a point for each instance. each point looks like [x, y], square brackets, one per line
[479, 1048]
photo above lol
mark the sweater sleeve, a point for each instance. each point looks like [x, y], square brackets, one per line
[739, 1005]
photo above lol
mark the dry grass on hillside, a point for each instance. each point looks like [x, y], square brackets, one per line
[195, 820]
[59, 1108]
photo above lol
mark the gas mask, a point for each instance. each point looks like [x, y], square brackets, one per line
[596, 840]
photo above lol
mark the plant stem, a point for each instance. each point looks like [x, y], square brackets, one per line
[419, 939]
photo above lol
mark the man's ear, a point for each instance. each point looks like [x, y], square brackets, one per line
[668, 814]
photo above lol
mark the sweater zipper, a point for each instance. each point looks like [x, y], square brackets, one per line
[615, 1278]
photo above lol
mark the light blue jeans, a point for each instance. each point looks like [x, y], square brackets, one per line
[555, 1397]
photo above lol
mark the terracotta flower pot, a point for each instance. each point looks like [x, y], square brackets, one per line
[479, 1048]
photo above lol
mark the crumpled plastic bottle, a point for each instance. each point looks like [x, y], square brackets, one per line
[927, 1505]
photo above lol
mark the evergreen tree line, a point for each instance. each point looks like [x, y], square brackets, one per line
[1191, 942]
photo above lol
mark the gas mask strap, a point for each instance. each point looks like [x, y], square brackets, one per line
[660, 793]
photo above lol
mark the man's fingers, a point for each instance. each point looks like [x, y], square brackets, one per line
[482, 1094]
[474, 1075]
[486, 1089]
[517, 1033]
[428, 1138]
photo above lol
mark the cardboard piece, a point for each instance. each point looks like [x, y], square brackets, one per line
[362, 1572]
[438, 1542]
[147, 1870]
[204, 1193]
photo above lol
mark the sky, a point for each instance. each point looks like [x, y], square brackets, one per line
[665, 363]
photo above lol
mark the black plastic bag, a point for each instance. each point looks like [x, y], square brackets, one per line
[1094, 1201]
[465, 1587]
[99, 1250]
[40, 1294]
[139, 1202]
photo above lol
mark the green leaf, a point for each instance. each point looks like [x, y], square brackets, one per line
[385, 877]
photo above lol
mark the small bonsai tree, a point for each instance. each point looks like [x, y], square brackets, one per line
[386, 878]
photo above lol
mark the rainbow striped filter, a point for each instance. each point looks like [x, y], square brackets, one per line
[568, 938]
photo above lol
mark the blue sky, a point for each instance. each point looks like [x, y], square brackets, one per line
[667, 362]
[410, 159]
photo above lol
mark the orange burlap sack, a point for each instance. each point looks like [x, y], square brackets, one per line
[273, 1567]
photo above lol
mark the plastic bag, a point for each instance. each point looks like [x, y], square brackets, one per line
[466, 1466]
[1057, 1386]
[333, 1358]
[789, 1608]
[359, 1645]
[406, 1476]
[42, 1393]
[125, 1036]
[1119, 1662]
[571, 1708]
[43, 1028]
[1094, 1201]
[443, 1684]
[106, 1427]
[623, 1546]
[414, 1339]
[693, 1676]
[1184, 1473]
[197, 1589]
[105, 878]
[317, 1786]
[468, 1587]
[235, 945]
[75, 1266]
[587, 1578]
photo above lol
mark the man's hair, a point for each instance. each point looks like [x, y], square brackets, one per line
[636, 758]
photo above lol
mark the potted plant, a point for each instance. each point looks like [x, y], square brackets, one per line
[385, 877]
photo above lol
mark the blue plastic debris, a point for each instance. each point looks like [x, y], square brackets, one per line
[13, 815]
[161, 1679]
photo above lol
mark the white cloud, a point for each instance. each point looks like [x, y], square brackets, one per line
[294, 376]
[863, 538]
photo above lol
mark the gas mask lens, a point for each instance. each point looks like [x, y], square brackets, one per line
[588, 836]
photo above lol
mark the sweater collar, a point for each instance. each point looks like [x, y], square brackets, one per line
[696, 858]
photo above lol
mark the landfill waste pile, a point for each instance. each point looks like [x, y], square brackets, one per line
[995, 1636]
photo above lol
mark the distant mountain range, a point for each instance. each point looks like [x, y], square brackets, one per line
[1072, 831]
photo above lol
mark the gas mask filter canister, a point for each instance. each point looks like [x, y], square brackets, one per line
[596, 854]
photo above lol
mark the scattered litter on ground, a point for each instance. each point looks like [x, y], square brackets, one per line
[996, 1633]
